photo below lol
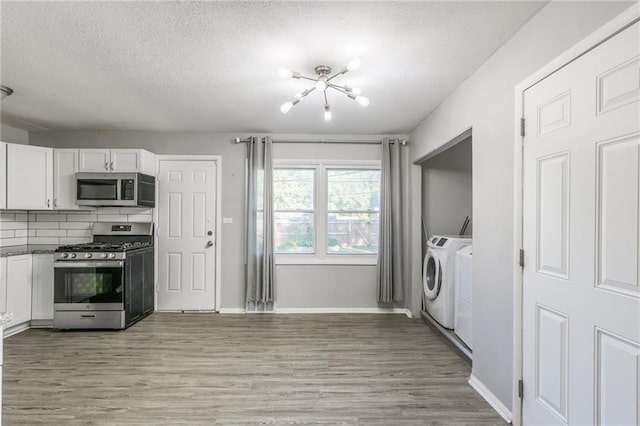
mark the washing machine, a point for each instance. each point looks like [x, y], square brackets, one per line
[438, 277]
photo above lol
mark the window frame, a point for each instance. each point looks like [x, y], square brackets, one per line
[321, 256]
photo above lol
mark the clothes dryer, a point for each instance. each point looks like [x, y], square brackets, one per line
[463, 305]
[438, 277]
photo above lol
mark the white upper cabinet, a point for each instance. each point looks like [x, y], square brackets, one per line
[117, 161]
[126, 160]
[29, 177]
[3, 175]
[65, 166]
[94, 160]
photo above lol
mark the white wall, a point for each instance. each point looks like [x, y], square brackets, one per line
[297, 286]
[13, 134]
[447, 190]
[485, 102]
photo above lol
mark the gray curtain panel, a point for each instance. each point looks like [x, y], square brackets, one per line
[390, 243]
[259, 270]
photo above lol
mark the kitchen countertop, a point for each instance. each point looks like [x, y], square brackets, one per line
[28, 249]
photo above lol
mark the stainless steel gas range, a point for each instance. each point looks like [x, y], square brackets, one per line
[108, 283]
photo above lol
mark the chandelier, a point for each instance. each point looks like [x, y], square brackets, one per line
[323, 82]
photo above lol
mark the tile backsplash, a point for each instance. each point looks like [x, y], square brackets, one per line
[62, 227]
[14, 228]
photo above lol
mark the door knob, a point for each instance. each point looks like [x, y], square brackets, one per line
[209, 243]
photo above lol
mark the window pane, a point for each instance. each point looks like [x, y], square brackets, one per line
[293, 232]
[353, 233]
[350, 190]
[293, 189]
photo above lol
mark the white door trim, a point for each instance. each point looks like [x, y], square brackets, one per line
[605, 32]
[218, 161]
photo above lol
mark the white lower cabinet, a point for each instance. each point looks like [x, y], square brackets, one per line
[3, 284]
[3, 175]
[19, 273]
[42, 288]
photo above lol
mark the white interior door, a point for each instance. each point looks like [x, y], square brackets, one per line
[186, 235]
[581, 224]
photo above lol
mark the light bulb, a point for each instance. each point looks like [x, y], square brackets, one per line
[357, 91]
[327, 113]
[321, 84]
[354, 64]
[286, 107]
[362, 100]
[285, 73]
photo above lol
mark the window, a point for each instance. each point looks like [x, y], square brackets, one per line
[353, 206]
[326, 212]
[294, 210]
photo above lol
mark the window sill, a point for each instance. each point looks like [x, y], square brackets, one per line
[328, 260]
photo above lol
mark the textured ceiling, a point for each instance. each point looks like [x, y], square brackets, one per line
[212, 66]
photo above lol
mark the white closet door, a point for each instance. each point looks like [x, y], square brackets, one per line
[581, 230]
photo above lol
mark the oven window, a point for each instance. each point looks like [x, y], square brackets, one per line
[88, 285]
[97, 189]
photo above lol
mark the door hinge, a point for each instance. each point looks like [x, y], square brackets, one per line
[520, 388]
[522, 126]
[521, 259]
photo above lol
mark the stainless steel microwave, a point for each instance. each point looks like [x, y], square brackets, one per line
[115, 189]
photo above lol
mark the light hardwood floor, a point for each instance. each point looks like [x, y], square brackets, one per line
[241, 369]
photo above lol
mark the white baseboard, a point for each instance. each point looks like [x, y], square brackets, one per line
[343, 311]
[232, 311]
[404, 311]
[493, 401]
[42, 323]
[16, 329]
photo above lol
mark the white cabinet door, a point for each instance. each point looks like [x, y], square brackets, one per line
[94, 160]
[42, 287]
[126, 160]
[3, 175]
[3, 284]
[29, 177]
[19, 289]
[65, 165]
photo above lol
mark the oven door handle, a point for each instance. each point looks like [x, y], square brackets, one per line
[89, 264]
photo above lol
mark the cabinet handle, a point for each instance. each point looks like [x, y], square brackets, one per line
[55, 202]
[48, 203]
[106, 166]
[112, 166]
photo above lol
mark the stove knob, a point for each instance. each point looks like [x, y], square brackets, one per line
[103, 255]
[73, 255]
[64, 255]
[112, 255]
[88, 255]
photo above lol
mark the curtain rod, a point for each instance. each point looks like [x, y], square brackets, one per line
[353, 142]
